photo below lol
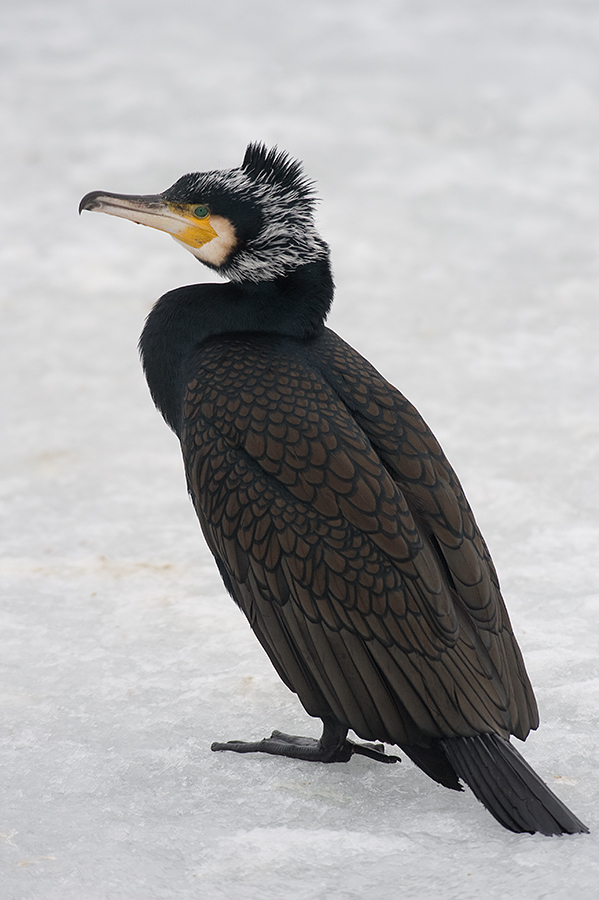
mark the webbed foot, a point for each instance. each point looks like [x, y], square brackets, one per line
[310, 749]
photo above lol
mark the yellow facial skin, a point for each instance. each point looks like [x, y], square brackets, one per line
[199, 230]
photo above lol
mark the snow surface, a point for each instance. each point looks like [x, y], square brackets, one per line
[456, 148]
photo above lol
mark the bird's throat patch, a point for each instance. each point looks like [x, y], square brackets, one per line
[214, 251]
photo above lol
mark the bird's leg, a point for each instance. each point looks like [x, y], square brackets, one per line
[332, 746]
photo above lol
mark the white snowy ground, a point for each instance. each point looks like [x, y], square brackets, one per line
[456, 148]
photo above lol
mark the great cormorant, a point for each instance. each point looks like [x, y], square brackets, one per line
[335, 520]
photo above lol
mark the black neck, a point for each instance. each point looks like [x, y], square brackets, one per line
[294, 306]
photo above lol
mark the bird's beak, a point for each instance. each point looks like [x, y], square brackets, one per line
[153, 210]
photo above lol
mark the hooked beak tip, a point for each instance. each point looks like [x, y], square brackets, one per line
[89, 201]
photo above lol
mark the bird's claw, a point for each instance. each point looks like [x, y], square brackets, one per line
[372, 751]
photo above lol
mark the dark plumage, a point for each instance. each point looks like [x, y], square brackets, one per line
[337, 523]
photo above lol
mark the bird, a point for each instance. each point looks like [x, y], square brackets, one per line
[335, 520]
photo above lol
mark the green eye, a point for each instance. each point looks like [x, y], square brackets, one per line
[200, 212]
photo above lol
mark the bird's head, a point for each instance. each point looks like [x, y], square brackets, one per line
[254, 223]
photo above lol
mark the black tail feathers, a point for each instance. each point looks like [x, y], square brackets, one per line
[508, 787]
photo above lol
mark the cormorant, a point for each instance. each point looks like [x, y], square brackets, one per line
[335, 520]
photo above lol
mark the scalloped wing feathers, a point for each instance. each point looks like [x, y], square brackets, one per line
[349, 544]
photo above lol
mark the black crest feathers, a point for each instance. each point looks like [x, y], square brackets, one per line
[276, 167]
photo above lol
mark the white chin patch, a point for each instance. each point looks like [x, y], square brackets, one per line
[217, 251]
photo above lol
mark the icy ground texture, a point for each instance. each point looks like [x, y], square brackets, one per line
[456, 148]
